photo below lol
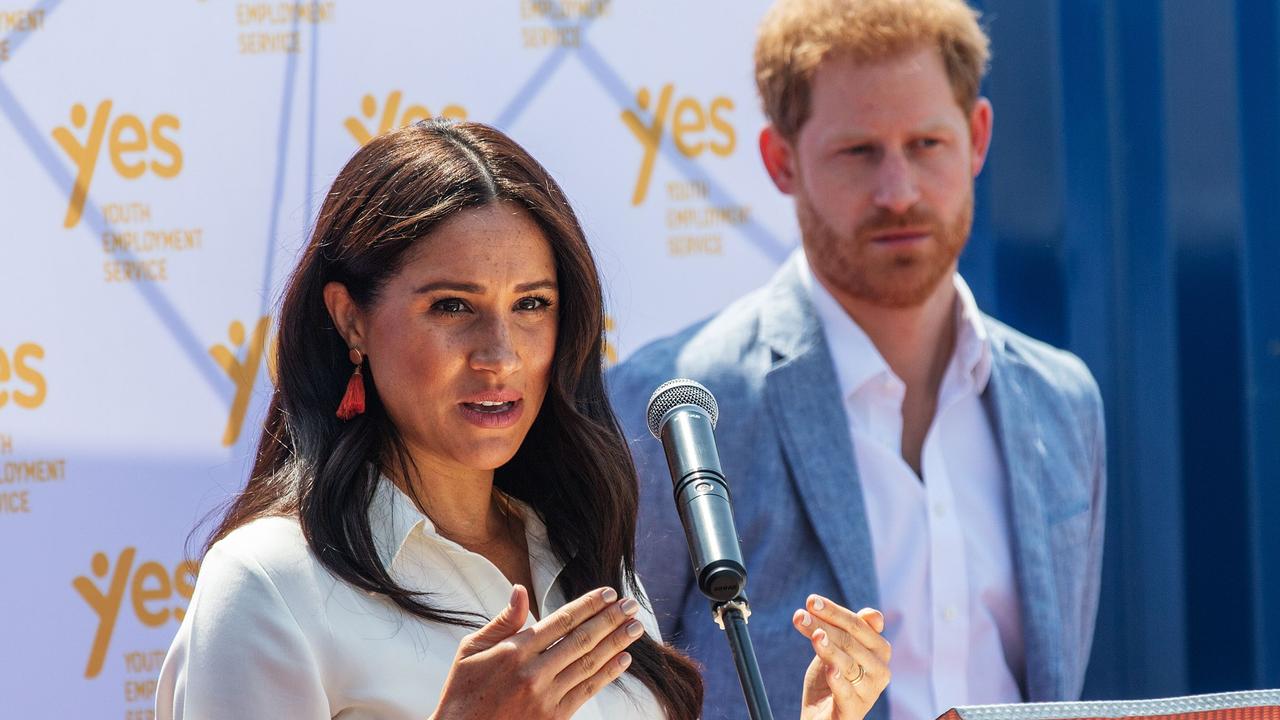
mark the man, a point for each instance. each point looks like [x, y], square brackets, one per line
[888, 445]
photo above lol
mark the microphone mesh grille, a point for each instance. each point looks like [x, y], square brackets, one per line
[680, 391]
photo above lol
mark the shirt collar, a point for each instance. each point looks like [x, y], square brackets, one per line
[973, 344]
[394, 517]
[856, 358]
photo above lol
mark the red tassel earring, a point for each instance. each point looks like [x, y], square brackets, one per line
[353, 400]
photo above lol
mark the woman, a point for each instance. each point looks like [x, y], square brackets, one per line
[441, 515]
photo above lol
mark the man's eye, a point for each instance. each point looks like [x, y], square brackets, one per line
[859, 150]
[926, 143]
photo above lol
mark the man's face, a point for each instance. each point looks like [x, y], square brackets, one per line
[882, 173]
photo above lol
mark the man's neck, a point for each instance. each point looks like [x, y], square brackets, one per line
[916, 342]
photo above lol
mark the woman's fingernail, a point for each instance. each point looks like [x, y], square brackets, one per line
[515, 593]
[630, 606]
[825, 640]
[624, 660]
[805, 619]
[818, 604]
[609, 594]
[635, 629]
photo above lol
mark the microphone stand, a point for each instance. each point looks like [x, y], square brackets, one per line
[732, 617]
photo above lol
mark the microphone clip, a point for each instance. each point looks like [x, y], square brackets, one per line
[738, 604]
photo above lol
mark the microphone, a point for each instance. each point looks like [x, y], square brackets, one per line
[682, 414]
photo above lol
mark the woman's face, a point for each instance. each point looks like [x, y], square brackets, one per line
[461, 340]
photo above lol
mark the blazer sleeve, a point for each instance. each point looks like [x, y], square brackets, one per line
[1097, 524]
[240, 653]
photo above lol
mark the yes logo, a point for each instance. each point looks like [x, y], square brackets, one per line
[128, 142]
[242, 372]
[689, 120]
[20, 364]
[148, 588]
[610, 352]
[390, 111]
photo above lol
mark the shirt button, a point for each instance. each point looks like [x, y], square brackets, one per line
[940, 509]
[949, 614]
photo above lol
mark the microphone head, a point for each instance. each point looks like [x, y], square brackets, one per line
[680, 391]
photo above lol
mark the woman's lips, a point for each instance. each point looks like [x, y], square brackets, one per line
[492, 413]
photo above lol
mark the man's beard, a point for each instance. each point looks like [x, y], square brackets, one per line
[881, 276]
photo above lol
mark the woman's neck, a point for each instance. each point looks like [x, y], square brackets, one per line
[462, 504]
[467, 509]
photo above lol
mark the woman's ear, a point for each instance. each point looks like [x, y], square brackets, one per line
[344, 312]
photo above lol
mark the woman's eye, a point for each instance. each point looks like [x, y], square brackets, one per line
[450, 306]
[532, 303]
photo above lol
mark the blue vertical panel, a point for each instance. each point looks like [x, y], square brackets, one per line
[1087, 108]
[1204, 212]
[1122, 311]
[1025, 183]
[978, 263]
[1148, 465]
[1259, 82]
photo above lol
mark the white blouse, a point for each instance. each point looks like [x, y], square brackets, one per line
[271, 633]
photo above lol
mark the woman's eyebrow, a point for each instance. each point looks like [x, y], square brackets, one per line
[451, 286]
[536, 285]
[477, 289]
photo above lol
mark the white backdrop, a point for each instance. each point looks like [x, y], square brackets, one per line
[160, 165]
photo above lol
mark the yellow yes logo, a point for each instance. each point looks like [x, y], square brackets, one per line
[148, 588]
[689, 120]
[128, 142]
[390, 112]
[20, 363]
[242, 372]
[610, 352]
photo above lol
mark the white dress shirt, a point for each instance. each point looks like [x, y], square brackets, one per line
[942, 542]
[270, 633]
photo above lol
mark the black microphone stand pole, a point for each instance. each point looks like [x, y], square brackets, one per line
[732, 618]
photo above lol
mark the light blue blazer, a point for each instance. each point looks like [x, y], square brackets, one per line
[784, 442]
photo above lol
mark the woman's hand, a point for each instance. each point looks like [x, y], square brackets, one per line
[547, 670]
[851, 664]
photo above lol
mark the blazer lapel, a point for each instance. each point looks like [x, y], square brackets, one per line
[1020, 435]
[803, 397]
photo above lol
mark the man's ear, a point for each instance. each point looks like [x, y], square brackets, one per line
[346, 315]
[779, 159]
[981, 120]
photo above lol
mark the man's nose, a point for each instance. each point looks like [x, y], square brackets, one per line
[896, 189]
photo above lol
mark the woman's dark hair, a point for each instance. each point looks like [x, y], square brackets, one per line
[573, 469]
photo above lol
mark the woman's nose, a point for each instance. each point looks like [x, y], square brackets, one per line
[495, 349]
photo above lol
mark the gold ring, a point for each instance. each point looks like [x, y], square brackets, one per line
[862, 672]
